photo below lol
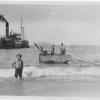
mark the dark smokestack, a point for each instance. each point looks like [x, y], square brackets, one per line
[7, 24]
[7, 29]
[2, 18]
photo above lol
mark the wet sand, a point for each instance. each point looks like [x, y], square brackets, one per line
[72, 86]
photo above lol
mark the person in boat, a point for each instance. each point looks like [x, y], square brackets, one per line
[62, 49]
[18, 65]
[43, 52]
[53, 49]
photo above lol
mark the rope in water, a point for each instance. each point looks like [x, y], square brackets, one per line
[82, 61]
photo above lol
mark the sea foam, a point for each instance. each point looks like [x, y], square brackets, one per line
[34, 71]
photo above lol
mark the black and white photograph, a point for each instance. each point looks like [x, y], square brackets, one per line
[50, 49]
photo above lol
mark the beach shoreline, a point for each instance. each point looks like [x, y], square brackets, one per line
[81, 86]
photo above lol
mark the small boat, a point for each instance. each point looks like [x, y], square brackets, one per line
[53, 59]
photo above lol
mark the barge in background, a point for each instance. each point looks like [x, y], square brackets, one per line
[12, 40]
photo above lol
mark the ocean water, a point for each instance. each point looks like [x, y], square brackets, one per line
[81, 77]
[32, 67]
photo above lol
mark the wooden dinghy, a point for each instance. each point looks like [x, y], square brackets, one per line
[55, 59]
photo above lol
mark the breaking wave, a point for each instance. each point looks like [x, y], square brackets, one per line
[33, 71]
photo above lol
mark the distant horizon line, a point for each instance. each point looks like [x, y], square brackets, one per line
[47, 43]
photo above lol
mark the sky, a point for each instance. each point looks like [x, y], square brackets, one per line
[72, 24]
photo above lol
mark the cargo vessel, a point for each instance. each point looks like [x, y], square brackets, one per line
[11, 39]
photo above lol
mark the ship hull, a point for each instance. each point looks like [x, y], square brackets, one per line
[5, 44]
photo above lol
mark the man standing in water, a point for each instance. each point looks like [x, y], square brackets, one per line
[18, 64]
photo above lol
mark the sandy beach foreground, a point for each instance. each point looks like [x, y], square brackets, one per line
[71, 86]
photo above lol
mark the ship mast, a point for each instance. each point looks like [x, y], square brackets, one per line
[22, 29]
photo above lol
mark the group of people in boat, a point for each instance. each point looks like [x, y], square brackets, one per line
[45, 52]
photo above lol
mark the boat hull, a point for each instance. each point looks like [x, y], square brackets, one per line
[55, 59]
[12, 44]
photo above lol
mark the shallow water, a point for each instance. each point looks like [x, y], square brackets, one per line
[51, 79]
[32, 67]
[30, 55]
